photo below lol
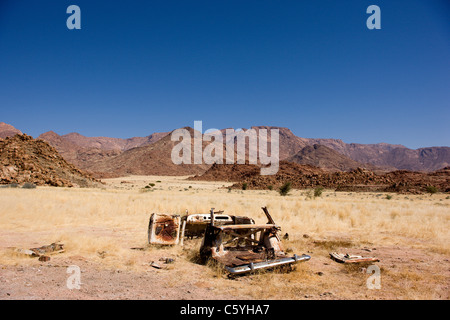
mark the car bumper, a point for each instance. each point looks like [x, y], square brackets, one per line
[267, 264]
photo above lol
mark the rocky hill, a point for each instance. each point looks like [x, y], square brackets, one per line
[305, 176]
[24, 159]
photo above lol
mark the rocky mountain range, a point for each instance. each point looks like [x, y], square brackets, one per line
[150, 155]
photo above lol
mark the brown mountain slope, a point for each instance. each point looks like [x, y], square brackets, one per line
[7, 130]
[85, 152]
[24, 159]
[154, 159]
[82, 157]
[323, 157]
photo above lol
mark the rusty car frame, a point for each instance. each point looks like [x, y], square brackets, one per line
[195, 224]
[171, 229]
[244, 248]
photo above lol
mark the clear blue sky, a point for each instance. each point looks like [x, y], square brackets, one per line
[137, 67]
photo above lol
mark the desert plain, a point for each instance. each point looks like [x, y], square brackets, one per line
[104, 232]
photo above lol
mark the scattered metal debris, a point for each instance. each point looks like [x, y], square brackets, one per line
[27, 252]
[243, 248]
[42, 251]
[50, 249]
[155, 265]
[167, 260]
[347, 258]
[38, 252]
[138, 248]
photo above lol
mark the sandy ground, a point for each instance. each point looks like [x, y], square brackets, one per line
[403, 272]
[410, 268]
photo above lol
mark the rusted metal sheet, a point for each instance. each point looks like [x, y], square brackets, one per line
[346, 258]
[164, 229]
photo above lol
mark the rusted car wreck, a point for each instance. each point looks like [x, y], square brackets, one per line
[243, 248]
[236, 242]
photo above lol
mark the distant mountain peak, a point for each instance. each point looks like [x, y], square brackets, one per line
[7, 130]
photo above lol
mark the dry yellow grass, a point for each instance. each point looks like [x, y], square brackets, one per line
[103, 224]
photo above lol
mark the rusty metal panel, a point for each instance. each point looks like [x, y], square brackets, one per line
[164, 229]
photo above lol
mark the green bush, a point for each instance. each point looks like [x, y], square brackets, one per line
[270, 187]
[244, 186]
[431, 189]
[388, 197]
[285, 188]
[318, 191]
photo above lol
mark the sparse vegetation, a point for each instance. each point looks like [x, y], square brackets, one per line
[244, 186]
[270, 187]
[431, 189]
[318, 191]
[388, 197]
[29, 185]
[285, 189]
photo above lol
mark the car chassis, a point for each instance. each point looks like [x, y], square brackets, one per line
[244, 248]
